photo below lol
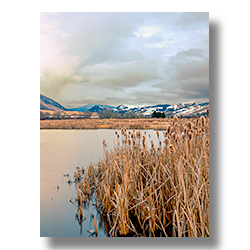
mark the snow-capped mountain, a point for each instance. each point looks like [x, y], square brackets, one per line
[184, 109]
[181, 109]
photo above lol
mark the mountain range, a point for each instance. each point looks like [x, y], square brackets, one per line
[180, 109]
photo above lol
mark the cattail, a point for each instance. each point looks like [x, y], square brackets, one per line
[166, 141]
[129, 141]
[208, 113]
[197, 122]
[175, 119]
[104, 143]
[185, 130]
[207, 143]
[190, 136]
[190, 125]
[139, 134]
[171, 148]
[152, 144]
[169, 129]
[175, 136]
[203, 121]
[157, 132]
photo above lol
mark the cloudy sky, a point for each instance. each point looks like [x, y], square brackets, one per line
[124, 58]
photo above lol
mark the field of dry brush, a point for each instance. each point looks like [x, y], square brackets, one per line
[156, 190]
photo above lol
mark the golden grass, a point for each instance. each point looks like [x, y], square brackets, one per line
[52, 112]
[160, 190]
[158, 124]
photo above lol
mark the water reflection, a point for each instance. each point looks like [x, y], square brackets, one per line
[61, 151]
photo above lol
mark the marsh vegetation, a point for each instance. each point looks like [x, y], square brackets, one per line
[147, 188]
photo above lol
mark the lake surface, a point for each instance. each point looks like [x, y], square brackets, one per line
[61, 151]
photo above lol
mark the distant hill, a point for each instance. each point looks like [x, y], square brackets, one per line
[47, 103]
[185, 109]
[97, 108]
[83, 108]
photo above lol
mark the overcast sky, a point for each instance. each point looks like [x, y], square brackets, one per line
[124, 58]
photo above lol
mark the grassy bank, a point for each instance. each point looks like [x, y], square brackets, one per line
[157, 124]
[155, 190]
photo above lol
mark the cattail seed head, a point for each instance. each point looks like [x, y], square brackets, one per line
[190, 125]
[171, 148]
[185, 130]
[190, 136]
[166, 141]
[157, 132]
[139, 134]
[175, 136]
[169, 129]
[203, 121]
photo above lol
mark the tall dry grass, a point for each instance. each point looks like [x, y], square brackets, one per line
[159, 124]
[156, 190]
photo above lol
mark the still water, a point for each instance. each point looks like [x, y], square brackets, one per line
[61, 151]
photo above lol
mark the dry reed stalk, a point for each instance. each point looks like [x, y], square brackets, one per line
[96, 225]
[150, 191]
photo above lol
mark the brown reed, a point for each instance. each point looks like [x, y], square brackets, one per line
[162, 190]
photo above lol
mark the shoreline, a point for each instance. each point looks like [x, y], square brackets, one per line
[155, 124]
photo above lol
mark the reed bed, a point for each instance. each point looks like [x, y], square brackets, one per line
[159, 124]
[157, 189]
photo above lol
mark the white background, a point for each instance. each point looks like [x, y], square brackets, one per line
[19, 110]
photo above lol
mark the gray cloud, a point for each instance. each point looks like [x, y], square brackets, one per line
[187, 75]
[133, 58]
